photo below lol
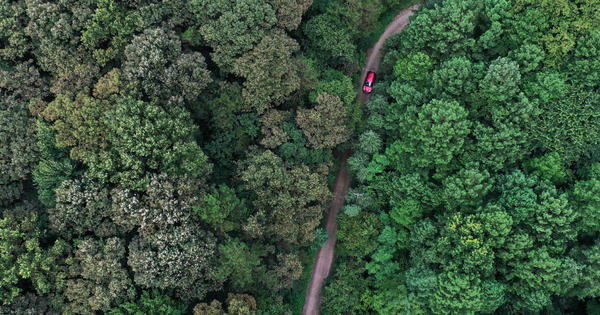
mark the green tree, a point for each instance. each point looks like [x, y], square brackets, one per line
[443, 30]
[237, 264]
[292, 196]
[357, 235]
[329, 38]
[501, 82]
[289, 12]
[155, 62]
[28, 303]
[369, 142]
[54, 166]
[151, 303]
[586, 66]
[434, 134]
[588, 258]
[586, 201]
[415, 67]
[165, 202]
[569, 125]
[465, 294]
[233, 28]
[182, 259]
[24, 255]
[237, 304]
[271, 71]
[454, 78]
[98, 280]
[143, 138]
[108, 30]
[324, 125]
[13, 21]
[334, 83]
[548, 167]
[222, 209]
[18, 152]
[82, 207]
[467, 188]
[78, 122]
[342, 293]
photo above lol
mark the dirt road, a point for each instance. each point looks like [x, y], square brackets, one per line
[324, 257]
[374, 54]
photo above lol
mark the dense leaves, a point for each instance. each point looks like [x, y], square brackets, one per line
[168, 157]
[291, 197]
[479, 161]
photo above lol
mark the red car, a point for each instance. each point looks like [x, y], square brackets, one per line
[368, 86]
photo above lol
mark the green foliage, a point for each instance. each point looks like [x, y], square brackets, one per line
[166, 201]
[179, 258]
[330, 38]
[369, 142]
[18, 152]
[415, 67]
[12, 28]
[54, 166]
[501, 82]
[143, 138]
[324, 125]
[271, 72]
[110, 26]
[220, 207]
[78, 122]
[297, 150]
[351, 210]
[434, 134]
[27, 303]
[292, 196]
[444, 30]
[569, 125]
[467, 188]
[237, 304]
[586, 202]
[474, 164]
[155, 63]
[238, 261]
[548, 167]
[334, 83]
[98, 279]
[382, 264]
[342, 293]
[357, 235]
[234, 27]
[472, 91]
[454, 78]
[24, 256]
[585, 69]
[321, 237]
[81, 207]
[151, 303]
[562, 23]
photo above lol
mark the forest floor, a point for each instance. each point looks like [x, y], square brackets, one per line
[324, 257]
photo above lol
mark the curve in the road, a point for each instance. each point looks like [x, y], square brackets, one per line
[324, 257]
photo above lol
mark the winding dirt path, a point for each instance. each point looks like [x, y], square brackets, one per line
[324, 257]
[374, 54]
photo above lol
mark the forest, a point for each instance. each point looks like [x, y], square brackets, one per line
[179, 157]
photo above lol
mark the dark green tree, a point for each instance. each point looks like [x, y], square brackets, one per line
[151, 303]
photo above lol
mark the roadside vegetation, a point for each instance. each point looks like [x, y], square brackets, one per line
[476, 166]
[176, 157]
[170, 157]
